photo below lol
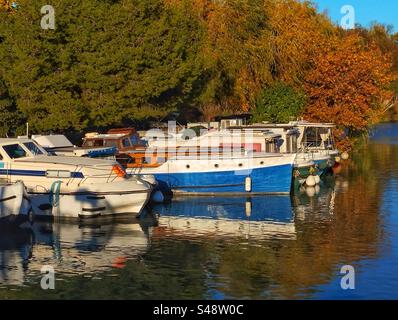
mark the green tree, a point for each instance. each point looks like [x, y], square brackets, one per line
[11, 119]
[279, 103]
[106, 62]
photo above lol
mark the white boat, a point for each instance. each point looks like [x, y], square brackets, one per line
[311, 141]
[14, 202]
[317, 139]
[59, 145]
[72, 187]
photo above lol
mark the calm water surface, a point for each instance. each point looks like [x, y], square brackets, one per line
[258, 248]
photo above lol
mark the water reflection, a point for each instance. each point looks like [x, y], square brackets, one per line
[72, 249]
[253, 217]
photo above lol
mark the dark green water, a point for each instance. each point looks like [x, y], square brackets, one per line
[259, 248]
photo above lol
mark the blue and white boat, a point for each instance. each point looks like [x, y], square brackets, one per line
[203, 174]
[71, 187]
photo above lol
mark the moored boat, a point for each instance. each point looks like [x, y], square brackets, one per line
[72, 187]
[229, 169]
[203, 174]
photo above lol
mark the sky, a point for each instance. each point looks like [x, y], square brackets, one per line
[366, 11]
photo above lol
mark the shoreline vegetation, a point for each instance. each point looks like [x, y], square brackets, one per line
[118, 63]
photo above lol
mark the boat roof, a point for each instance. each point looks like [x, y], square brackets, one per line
[290, 125]
[312, 124]
[272, 125]
[105, 135]
[52, 141]
[65, 160]
[265, 129]
[14, 140]
[125, 131]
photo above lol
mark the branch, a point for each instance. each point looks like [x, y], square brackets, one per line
[392, 104]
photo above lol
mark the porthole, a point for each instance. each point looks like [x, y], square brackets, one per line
[188, 166]
[216, 165]
[240, 165]
[262, 162]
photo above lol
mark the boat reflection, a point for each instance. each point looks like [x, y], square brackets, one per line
[318, 202]
[253, 217]
[72, 249]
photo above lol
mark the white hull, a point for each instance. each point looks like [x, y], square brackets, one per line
[13, 200]
[112, 199]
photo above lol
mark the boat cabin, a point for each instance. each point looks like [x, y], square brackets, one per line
[13, 149]
[278, 138]
[315, 136]
[60, 145]
[124, 139]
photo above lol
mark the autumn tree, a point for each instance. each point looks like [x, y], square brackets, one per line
[348, 84]
[298, 32]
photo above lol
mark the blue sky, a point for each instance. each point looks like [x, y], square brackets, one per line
[366, 11]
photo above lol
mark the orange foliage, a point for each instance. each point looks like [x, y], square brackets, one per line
[298, 32]
[252, 44]
[348, 83]
[236, 46]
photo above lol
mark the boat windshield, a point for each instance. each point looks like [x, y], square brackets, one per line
[110, 143]
[33, 148]
[15, 151]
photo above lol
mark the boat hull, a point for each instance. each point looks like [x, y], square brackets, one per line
[82, 207]
[13, 202]
[262, 175]
[113, 199]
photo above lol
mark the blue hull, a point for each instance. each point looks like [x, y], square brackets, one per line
[268, 180]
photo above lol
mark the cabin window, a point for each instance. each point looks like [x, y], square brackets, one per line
[110, 143]
[126, 143]
[15, 151]
[93, 143]
[270, 147]
[134, 140]
[312, 137]
[88, 143]
[33, 148]
[289, 144]
[294, 143]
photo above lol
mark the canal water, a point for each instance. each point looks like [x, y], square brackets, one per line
[240, 248]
